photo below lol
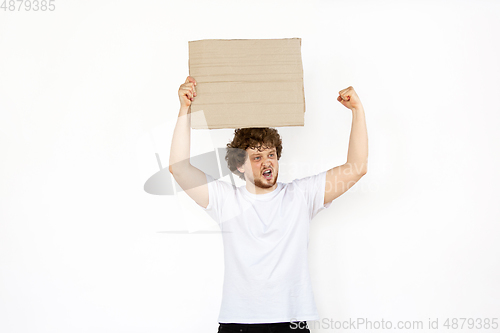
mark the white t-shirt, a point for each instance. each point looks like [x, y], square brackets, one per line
[265, 237]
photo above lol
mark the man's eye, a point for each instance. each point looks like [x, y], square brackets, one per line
[256, 158]
[272, 155]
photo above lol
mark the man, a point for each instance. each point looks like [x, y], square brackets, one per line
[265, 223]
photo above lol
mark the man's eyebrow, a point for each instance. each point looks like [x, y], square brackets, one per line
[259, 153]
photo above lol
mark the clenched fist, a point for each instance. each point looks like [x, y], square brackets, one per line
[349, 98]
[187, 92]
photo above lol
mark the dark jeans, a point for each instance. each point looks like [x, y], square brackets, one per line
[296, 326]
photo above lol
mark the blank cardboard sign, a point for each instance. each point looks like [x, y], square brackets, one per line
[247, 83]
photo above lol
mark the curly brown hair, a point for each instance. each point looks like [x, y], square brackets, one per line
[255, 137]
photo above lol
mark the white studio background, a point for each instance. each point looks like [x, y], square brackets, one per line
[88, 95]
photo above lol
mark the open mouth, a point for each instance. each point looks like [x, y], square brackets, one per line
[268, 174]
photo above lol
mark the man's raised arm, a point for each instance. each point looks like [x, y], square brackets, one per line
[192, 180]
[343, 177]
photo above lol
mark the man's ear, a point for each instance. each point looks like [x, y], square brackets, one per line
[240, 169]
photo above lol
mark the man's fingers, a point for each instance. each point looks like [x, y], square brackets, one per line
[190, 79]
[347, 93]
[187, 92]
[348, 89]
[345, 97]
[342, 99]
[189, 85]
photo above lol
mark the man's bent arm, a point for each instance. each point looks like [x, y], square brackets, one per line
[343, 177]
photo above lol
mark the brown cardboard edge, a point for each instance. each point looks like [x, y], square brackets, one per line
[302, 68]
[198, 40]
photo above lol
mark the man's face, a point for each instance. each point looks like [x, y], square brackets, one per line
[261, 167]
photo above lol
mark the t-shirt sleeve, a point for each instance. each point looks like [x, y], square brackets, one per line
[313, 189]
[218, 192]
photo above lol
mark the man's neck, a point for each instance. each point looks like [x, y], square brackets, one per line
[259, 190]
